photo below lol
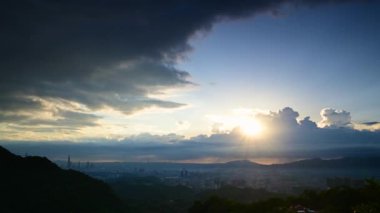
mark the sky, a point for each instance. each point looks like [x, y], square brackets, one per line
[190, 81]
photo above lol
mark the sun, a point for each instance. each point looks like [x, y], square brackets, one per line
[250, 127]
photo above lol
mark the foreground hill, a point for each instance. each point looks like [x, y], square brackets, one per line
[342, 199]
[34, 184]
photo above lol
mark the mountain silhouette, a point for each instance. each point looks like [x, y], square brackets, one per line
[314, 163]
[241, 163]
[346, 162]
[35, 184]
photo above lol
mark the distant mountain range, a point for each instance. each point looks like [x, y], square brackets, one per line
[362, 162]
[371, 163]
[349, 162]
[34, 184]
[242, 163]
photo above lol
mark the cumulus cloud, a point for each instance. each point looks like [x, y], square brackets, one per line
[335, 118]
[370, 126]
[307, 123]
[304, 140]
[286, 137]
[286, 117]
[99, 54]
[150, 138]
[284, 120]
[217, 128]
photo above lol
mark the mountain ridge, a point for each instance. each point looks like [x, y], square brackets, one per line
[35, 184]
[344, 162]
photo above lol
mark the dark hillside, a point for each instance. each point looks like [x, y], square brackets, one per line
[35, 184]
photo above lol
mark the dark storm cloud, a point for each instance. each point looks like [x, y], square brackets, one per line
[60, 120]
[371, 123]
[105, 53]
[12, 118]
[64, 119]
[15, 102]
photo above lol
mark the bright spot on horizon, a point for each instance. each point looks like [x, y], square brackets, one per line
[250, 127]
[243, 120]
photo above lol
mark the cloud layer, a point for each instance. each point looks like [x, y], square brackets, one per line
[100, 54]
[334, 118]
[286, 138]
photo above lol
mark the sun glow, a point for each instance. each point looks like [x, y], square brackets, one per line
[250, 127]
[242, 121]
